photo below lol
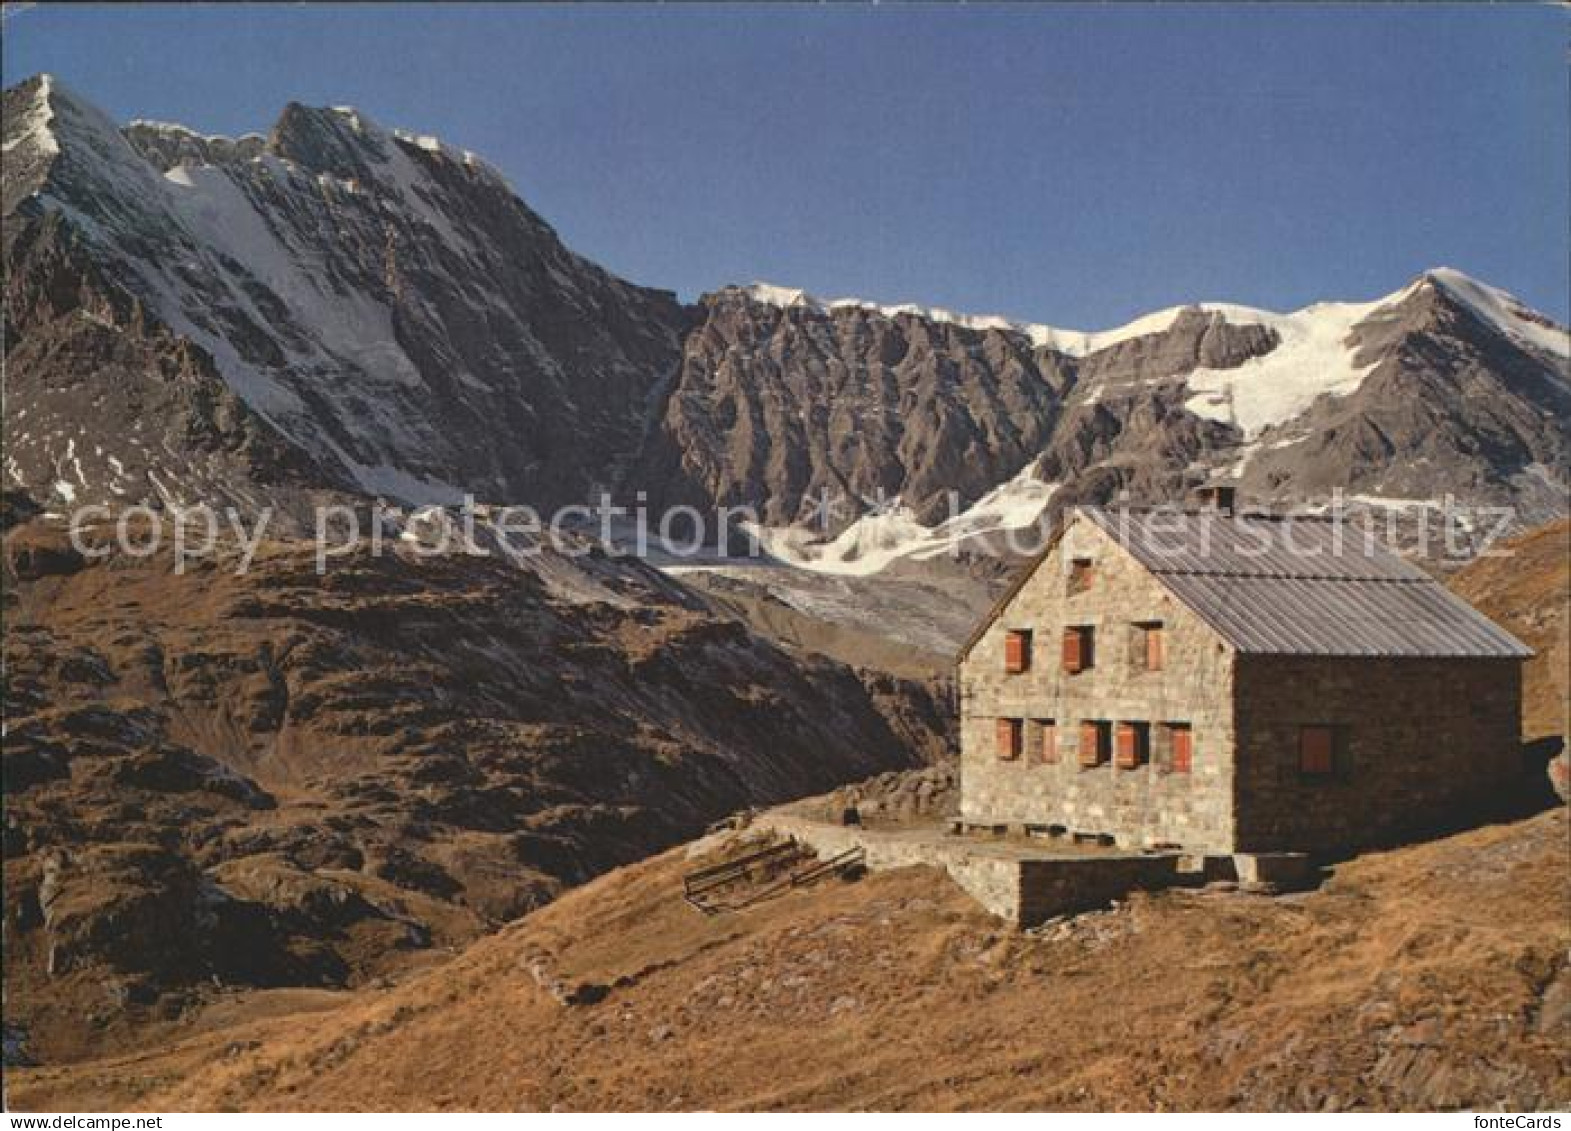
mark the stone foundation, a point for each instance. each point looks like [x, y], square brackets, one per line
[1020, 885]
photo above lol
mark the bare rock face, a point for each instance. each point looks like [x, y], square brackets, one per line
[1195, 338]
[777, 407]
[339, 305]
[107, 405]
[340, 309]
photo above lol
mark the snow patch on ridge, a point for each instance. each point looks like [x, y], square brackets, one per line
[35, 128]
[351, 326]
[1505, 311]
[877, 540]
[1075, 343]
[177, 130]
[468, 158]
[1311, 360]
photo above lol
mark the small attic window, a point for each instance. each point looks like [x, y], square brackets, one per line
[1082, 572]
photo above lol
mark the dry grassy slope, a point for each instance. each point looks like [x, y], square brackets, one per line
[282, 779]
[1527, 589]
[1431, 976]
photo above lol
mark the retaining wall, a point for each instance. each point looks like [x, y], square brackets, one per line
[1018, 885]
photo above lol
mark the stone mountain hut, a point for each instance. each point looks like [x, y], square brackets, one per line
[1232, 683]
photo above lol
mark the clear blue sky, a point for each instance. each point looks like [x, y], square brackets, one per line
[1069, 165]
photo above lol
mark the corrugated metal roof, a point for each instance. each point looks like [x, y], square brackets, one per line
[1303, 586]
[1243, 545]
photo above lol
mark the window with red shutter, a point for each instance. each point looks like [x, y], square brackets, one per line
[1146, 652]
[1317, 751]
[1009, 739]
[1047, 741]
[1079, 645]
[1133, 745]
[1155, 647]
[1181, 747]
[1094, 741]
[1017, 650]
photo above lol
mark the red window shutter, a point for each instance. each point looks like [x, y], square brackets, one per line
[1008, 739]
[1090, 744]
[1049, 749]
[1017, 651]
[1074, 653]
[1128, 747]
[1154, 648]
[1315, 747]
[1183, 749]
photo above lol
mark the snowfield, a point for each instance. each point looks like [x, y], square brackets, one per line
[876, 540]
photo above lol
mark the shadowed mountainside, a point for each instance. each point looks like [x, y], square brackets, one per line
[284, 779]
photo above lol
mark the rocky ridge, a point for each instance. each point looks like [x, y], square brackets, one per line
[337, 307]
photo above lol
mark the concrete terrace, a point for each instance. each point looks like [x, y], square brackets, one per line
[1025, 882]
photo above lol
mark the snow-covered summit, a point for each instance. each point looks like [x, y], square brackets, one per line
[1074, 343]
[1504, 310]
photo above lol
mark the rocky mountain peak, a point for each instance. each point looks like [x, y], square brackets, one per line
[384, 307]
[1499, 309]
[49, 132]
[338, 141]
[382, 304]
[167, 145]
[45, 114]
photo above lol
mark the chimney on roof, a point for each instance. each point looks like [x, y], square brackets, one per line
[1219, 497]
